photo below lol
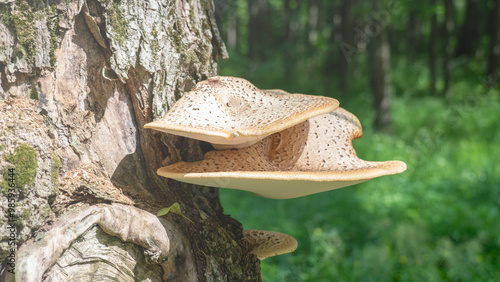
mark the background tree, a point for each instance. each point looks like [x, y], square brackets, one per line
[494, 35]
[347, 37]
[433, 50]
[470, 30]
[448, 27]
[379, 62]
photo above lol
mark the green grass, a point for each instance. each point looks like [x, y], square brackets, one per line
[439, 220]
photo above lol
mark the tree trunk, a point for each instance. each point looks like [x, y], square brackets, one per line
[433, 40]
[468, 38]
[287, 38]
[413, 31]
[232, 30]
[79, 79]
[379, 61]
[448, 28]
[311, 28]
[494, 50]
[347, 37]
[258, 24]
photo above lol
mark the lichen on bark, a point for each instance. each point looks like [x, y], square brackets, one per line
[33, 30]
[22, 19]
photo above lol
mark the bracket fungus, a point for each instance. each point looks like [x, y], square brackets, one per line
[231, 112]
[264, 244]
[311, 157]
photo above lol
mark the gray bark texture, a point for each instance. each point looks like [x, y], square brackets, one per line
[78, 187]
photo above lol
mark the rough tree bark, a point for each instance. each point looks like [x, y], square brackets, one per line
[79, 79]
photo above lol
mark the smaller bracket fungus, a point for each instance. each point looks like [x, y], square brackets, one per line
[264, 244]
[231, 112]
[311, 157]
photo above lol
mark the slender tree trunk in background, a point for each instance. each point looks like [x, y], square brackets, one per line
[313, 22]
[379, 61]
[286, 18]
[258, 24]
[252, 37]
[469, 34]
[494, 49]
[232, 30]
[448, 28]
[433, 40]
[412, 31]
[323, 17]
[226, 13]
[287, 39]
[347, 34]
[96, 72]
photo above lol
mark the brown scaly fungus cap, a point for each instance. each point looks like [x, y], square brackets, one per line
[311, 157]
[264, 244]
[230, 112]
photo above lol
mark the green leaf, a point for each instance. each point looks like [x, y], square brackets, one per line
[174, 208]
[163, 211]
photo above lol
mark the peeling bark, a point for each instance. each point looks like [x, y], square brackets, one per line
[77, 85]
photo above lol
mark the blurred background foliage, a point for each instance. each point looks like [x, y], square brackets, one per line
[422, 76]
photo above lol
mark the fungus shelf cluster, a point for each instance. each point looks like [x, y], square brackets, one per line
[269, 142]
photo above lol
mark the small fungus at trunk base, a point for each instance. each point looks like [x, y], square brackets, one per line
[264, 244]
[311, 157]
[231, 112]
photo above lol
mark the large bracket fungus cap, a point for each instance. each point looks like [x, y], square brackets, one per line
[311, 157]
[264, 244]
[231, 112]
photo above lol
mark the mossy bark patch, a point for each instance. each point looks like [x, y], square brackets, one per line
[117, 22]
[5, 180]
[25, 161]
